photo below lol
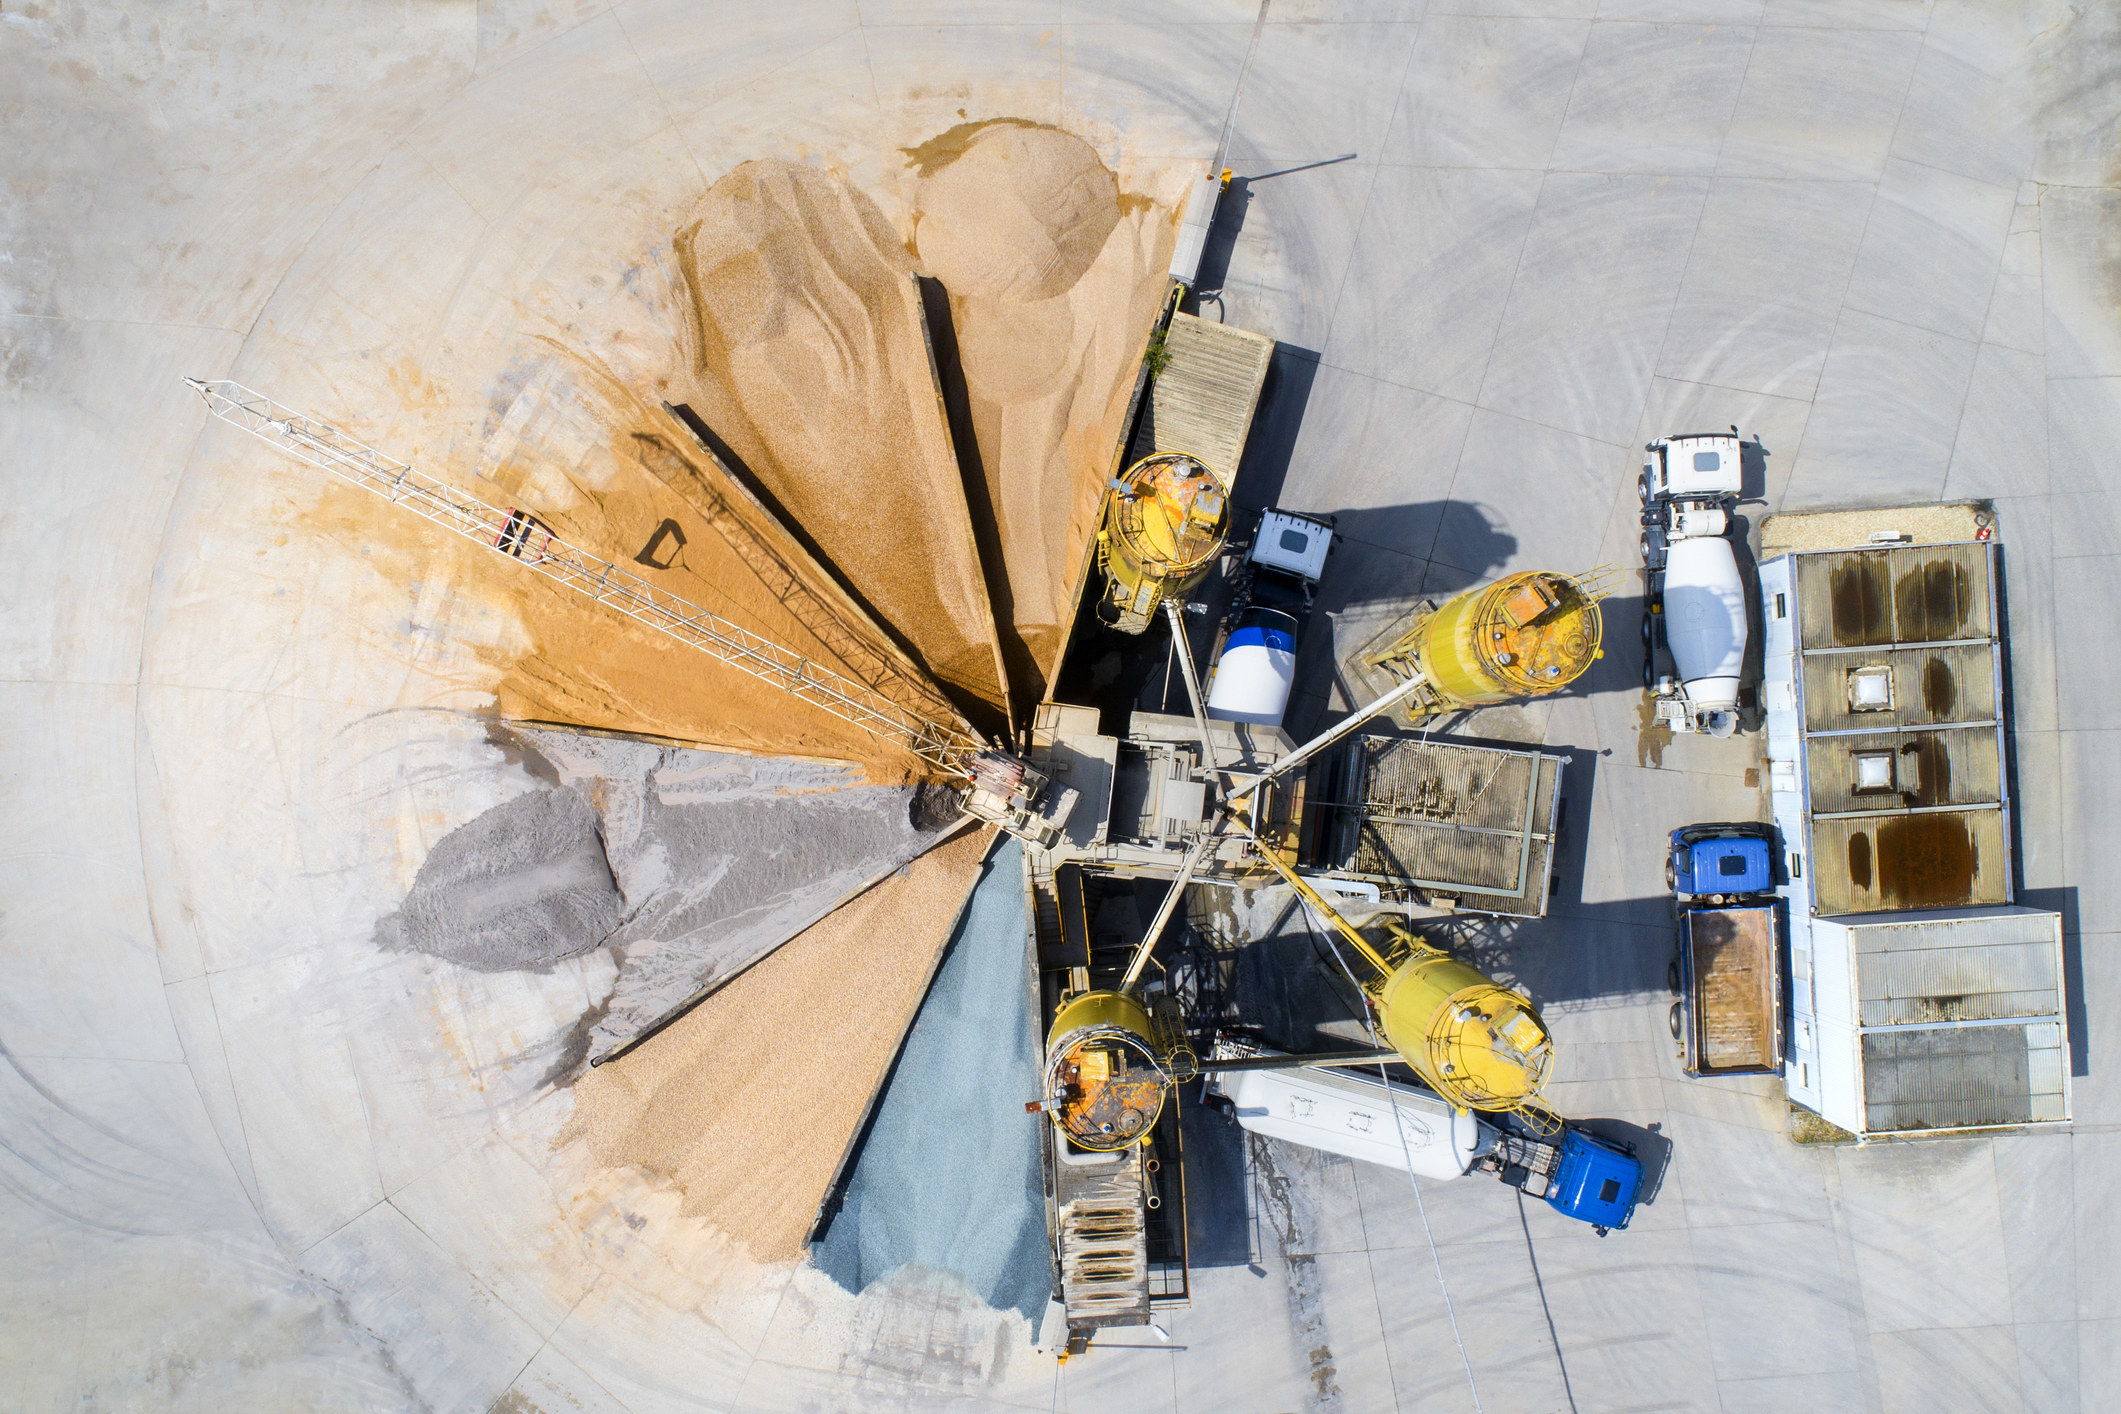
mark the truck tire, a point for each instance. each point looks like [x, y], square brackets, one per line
[1671, 875]
[1649, 630]
[1671, 977]
[1649, 672]
[1642, 487]
[1673, 1020]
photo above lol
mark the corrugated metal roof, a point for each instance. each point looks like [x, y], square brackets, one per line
[1898, 676]
[1907, 594]
[1958, 968]
[1955, 682]
[1911, 769]
[1962, 1077]
[1202, 403]
[1876, 863]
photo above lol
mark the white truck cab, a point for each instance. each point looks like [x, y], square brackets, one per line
[1703, 466]
[1696, 606]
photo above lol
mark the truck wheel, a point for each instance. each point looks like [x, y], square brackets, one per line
[1642, 487]
[1672, 1019]
[1671, 977]
[1671, 875]
[1649, 630]
[1649, 672]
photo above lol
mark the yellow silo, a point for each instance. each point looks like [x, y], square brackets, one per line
[1480, 1045]
[1525, 635]
[1165, 522]
[1107, 1067]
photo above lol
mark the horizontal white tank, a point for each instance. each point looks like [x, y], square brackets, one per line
[1705, 621]
[1251, 682]
[1347, 1112]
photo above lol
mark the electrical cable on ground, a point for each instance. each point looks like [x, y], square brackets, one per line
[1399, 1123]
[1553, 1335]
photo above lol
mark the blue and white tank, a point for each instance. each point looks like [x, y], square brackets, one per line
[1252, 678]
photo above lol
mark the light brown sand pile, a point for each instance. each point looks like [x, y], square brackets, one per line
[748, 1102]
[1018, 215]
[1055, 279]
[616, 477]
[812, 365]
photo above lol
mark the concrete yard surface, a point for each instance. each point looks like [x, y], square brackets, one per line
[285, 1128]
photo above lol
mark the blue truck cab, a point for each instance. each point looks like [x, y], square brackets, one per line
[1596, 1182]
[1581, 1176]
[1721, 861]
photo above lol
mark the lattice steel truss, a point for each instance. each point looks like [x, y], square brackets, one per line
[521, 536]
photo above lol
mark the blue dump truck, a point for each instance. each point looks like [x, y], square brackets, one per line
[1730, 971]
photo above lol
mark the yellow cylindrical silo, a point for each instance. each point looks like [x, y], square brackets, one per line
[1525, 635]
[1165, 522]
[1477, 1044]
[1105, 1072]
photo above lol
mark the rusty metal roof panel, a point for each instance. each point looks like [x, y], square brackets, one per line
[1894, 771]
[1925, 859]
[1892, 687]
[1897, 595]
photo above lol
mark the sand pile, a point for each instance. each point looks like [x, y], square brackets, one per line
[1017, 215]
[813, 366]
[747, 1103]
[1055, 280]
[611, 474]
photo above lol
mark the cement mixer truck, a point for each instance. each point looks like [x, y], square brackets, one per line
[1695, 621]
[1363, 1114]
[1270, 603]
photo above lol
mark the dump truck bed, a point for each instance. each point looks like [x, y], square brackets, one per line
[1730, 963]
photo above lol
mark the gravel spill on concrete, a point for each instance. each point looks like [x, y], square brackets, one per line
[521, 886]
[949, 1177]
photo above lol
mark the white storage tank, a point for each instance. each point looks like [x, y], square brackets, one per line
[1253, 676]
[1348, 1112]
[1705, 628]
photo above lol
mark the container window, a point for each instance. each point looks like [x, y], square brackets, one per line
[1782, 606]
[1731, 864]
[1295, 541]
[1796, 865]
[1708, 461]
[1609, 1191]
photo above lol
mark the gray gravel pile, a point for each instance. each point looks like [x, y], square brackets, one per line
[519, 887]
